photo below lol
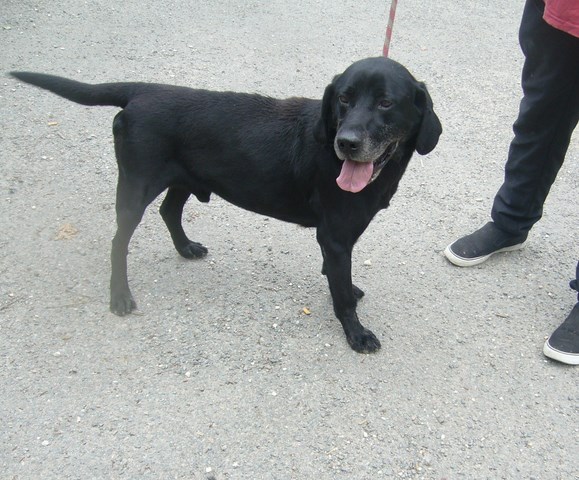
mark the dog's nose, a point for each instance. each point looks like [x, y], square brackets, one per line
[348, 143]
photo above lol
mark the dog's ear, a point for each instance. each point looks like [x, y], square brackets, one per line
[325, 128]
[430, 127]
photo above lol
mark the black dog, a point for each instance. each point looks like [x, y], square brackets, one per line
[331, 165]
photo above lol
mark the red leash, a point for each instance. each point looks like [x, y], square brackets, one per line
[389, 28]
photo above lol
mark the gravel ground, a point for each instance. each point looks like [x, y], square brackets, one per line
[220, 374]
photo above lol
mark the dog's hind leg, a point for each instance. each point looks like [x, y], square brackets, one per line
[144, 174]
[130, 206]
[172, 212]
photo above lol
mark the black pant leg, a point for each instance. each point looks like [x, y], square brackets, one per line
[547, 117]
[575, 283]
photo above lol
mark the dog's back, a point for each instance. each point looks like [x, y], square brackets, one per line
[230, 132]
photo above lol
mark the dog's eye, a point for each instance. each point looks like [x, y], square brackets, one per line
[384, 104]
[344, 100]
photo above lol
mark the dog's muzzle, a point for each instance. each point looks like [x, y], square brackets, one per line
[357, 175]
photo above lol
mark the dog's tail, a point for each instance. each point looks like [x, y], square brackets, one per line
[111, 94]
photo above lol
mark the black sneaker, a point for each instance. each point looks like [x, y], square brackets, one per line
[563, 344]
[480, 245]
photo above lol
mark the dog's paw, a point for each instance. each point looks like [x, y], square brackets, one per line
[122, 304]
[193, 250]
[364, 342]
[358, 293]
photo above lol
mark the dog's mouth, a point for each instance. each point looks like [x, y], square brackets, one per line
[355, 176]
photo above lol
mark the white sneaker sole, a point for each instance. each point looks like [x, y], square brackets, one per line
[471, 262]
[563, 357]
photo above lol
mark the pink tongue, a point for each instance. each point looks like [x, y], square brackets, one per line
[355, 175]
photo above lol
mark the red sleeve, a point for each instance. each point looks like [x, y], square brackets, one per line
[563, 15]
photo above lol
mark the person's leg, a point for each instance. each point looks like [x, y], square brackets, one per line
[548, 115]
[563, 344]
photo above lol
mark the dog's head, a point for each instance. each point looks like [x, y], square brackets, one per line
[369, 112]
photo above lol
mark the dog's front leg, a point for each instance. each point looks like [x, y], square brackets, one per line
[358, 292]
[338, 269]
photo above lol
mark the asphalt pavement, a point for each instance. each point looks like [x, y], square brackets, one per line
[234, 366]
